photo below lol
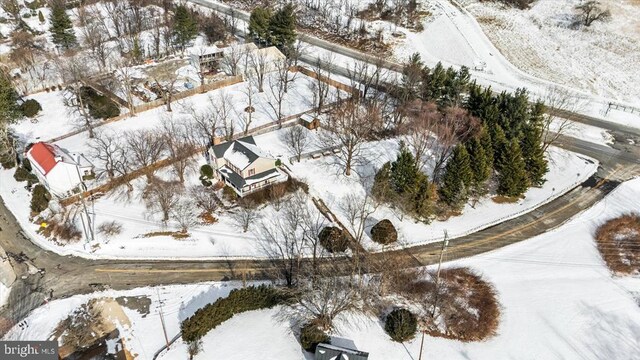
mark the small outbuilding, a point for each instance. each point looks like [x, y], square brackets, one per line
[333, 352]
[309, 121]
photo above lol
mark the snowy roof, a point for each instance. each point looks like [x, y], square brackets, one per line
[46, 156]
[204, 50]
[334, 352]
[239, 182]
[240, 153]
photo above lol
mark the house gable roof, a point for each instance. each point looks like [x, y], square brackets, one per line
[44, 155]
[241, 153]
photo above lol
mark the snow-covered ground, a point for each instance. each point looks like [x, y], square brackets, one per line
[225, 239]
[453, 36]
[145, 336]
[603, 59]
[4, 294]
[582, 131]
[558, 301]
[325, 181]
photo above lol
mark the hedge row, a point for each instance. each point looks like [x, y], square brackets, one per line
[238, 301]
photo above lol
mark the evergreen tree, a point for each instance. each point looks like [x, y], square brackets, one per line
[40, 17]
[185, 27]
[404, 171]
[9, 109]
[61, 27]
[458, 175]
[434, 82]
[480, 166]
[259, 24]
[512, 179]
[381, 189]
[424, 197]
[535, 163]
[487, 145]
[282, 28]
[412, 77]
[500, 147]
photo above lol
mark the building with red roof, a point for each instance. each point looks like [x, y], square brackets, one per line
[60, 171]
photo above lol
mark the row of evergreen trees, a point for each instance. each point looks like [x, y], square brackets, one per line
[506, 151]
[184, 27]
[277, 29]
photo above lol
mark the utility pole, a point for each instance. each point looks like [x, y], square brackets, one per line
[164, 329]
[445, 243]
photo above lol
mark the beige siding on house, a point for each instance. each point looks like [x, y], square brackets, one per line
[260, 165]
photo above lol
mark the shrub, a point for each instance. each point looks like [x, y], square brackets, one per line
[40, 199]
[311, 336]
[401, 325]
[30, 108]
[278, 162]
[384, 232]
[238, 301]
[23, 174]
[333, 239]
[206, 171]
[229, 194]
[618, 241]
[110, 228]
[7, 161]
[100, 106]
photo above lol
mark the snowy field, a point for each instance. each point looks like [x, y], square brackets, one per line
[582, 131]
[453, 36]
[603, 59]
[558, 299]
[226, 239]
[567, 170]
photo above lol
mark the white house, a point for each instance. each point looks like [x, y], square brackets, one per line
[58, 170]
[243, 166]
[205, 58]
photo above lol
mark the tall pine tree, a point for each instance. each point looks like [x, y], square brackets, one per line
[259, 25]
[457, 176]
[404, 171]
[500, 147]
[61, 27]
[512, 179]
[282, 28]
[487, 145]
[185, 27]
[9, 110]
[533, 153]
[480, 166]
[424, 197]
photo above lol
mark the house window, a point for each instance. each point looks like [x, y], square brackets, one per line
[252, 172]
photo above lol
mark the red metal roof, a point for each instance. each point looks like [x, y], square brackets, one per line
[44, 155]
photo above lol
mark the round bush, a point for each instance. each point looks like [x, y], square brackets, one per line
[401, 325]
[311, 336]
[333, 239]
[30, 108]
[207, 171]
[39, 199]
[384, 232]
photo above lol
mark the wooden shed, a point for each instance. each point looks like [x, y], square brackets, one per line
[309, 121]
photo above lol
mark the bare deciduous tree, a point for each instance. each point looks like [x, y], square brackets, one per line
[421, 130]
[296, 138]
[277, 89]
[204, 198]
[245, 214]
[232, 59]
[110, 151]
[161, 196]
[591, 11]
[146, 147]
[349, 126]
[258, 67]
[165, 78]
[74, 71]
[456, 125]
[184, 213]
[94, 35]
[559, 117]
[249, 110]
[177, 139]
[323, 67]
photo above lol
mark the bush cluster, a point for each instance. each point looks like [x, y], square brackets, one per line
[100, 106]
[401, 325]
[30, 108]
[618, 240]
[311, 336]
[23, 174]
[238, 301]
[333, 239]
[384, 232]
[40, 199]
